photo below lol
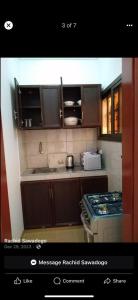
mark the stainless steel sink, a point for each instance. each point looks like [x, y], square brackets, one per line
[44, 170]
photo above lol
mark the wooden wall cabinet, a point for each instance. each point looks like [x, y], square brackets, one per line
[57, 202]
[43, 107]
[38, 107]
[111, 112]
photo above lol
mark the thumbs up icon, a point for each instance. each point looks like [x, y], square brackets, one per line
[17, 281]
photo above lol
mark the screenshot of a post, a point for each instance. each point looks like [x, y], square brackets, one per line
[69, 158]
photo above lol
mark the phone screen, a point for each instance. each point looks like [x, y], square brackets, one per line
[69, 101]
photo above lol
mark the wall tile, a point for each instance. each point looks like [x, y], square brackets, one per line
[35, 135]
[69, 133]
[37, 161]
[76, 147]
[54, 135]
[91, 145]
[77, 159]
[56, 147]
[91, 134]
[33, 148]
[81, 134]
[56, 160]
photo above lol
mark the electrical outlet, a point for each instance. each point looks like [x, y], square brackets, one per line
[60, 162]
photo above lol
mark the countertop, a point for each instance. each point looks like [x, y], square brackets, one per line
[61, 173]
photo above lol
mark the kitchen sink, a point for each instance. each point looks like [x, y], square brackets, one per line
[43, 170]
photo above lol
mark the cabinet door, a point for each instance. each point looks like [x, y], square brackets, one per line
[98, 184]
[36, 202]
[51, 106]
[66, 194]
[91, 105]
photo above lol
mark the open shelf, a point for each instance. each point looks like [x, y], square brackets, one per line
[72, 93]
[31, 106]
[34, 115]
[73, 106]
[30, 96]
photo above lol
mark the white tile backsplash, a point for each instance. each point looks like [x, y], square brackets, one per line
[33, 148]
[56, 160]
[77, 159]
[81, 134]
[90, 135]
[31, 136]
[58, 147]
[37, 161]
[91, 145]
[56, 144]
[75, 135]
[56, 135]
[76, 147]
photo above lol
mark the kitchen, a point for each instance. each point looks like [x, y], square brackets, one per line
[44, 154]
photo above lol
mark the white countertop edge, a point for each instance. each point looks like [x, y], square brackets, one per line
[63, 175]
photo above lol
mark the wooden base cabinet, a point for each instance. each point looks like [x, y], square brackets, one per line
[66, 200]
[93, 185]
[57, 202]
[36, 203]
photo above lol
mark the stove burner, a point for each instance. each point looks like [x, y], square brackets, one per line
[104, 198]
[107, 209]
[106, 204]
[102, 209]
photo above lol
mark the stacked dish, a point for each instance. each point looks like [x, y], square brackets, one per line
[71, 121]
[69, 103]
[79, 102]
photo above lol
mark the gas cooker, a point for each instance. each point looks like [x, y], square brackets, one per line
[101, 216]
[105, 204]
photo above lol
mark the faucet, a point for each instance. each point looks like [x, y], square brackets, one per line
[41, 148]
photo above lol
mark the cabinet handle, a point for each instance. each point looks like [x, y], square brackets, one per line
[42, 119]
[82, 115]
[51, 193]
[60, 113]
[15, 114]
[22, 122]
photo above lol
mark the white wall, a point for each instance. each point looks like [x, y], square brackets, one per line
[49, 71]
[109, 68]
[9, 69]
[22, 152]
[112, 152]
[72, 70]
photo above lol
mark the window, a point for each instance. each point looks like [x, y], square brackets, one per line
[111, 112]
